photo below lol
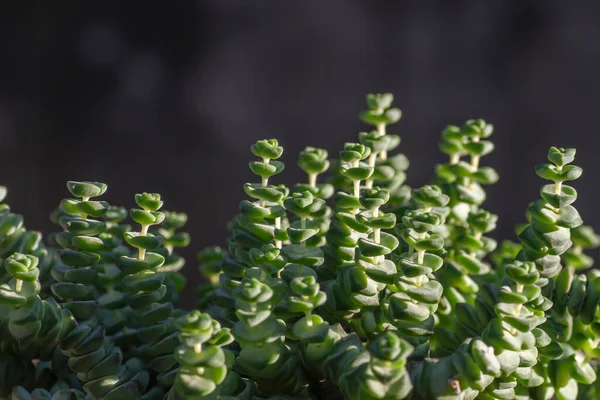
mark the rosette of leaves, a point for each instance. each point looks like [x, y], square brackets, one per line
[77, 279]
[343, 235]
[305, 207]
[462, 375]
[380, 114]
[467, 223]
[259, 222]
[204, 366]
[20, 288]
[19, 319]
[311, 330]
[514, 333]
[372, 250]
[172, 239]
[410, 308]
[573, 322]
[141, 279]
[552, 217]
[354, 167]
[14, 237]
[112, 300]
[378, 372]
[264, 355]
[313, 161]
[582, 336]
[461, 180]
[92, 355]
[464, 260]
[389, 172]
[573, 293]
[349, 288]
[545, 239]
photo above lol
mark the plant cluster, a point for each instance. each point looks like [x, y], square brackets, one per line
[349, 285]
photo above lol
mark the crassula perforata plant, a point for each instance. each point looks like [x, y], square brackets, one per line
[347, 285]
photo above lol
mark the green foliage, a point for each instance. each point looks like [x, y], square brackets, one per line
[350, 287]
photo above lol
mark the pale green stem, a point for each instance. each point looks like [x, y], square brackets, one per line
[557, 187]
[356, 185]
[84, 216]
[421, 253]
[356, 189]
[474, 163]
[307, 313]
[420, 257]
[376, 231]
[312, 180]
[454, 159]
[142, 251]
[377, 235]
[264, 182]
[372, 160]
[381, 132]
[278, 226]
[18, 285]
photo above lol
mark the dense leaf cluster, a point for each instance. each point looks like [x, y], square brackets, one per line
[350, 287]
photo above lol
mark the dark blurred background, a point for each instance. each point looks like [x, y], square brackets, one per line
[168, 96]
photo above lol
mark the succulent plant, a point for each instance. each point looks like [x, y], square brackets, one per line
[354, 288]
